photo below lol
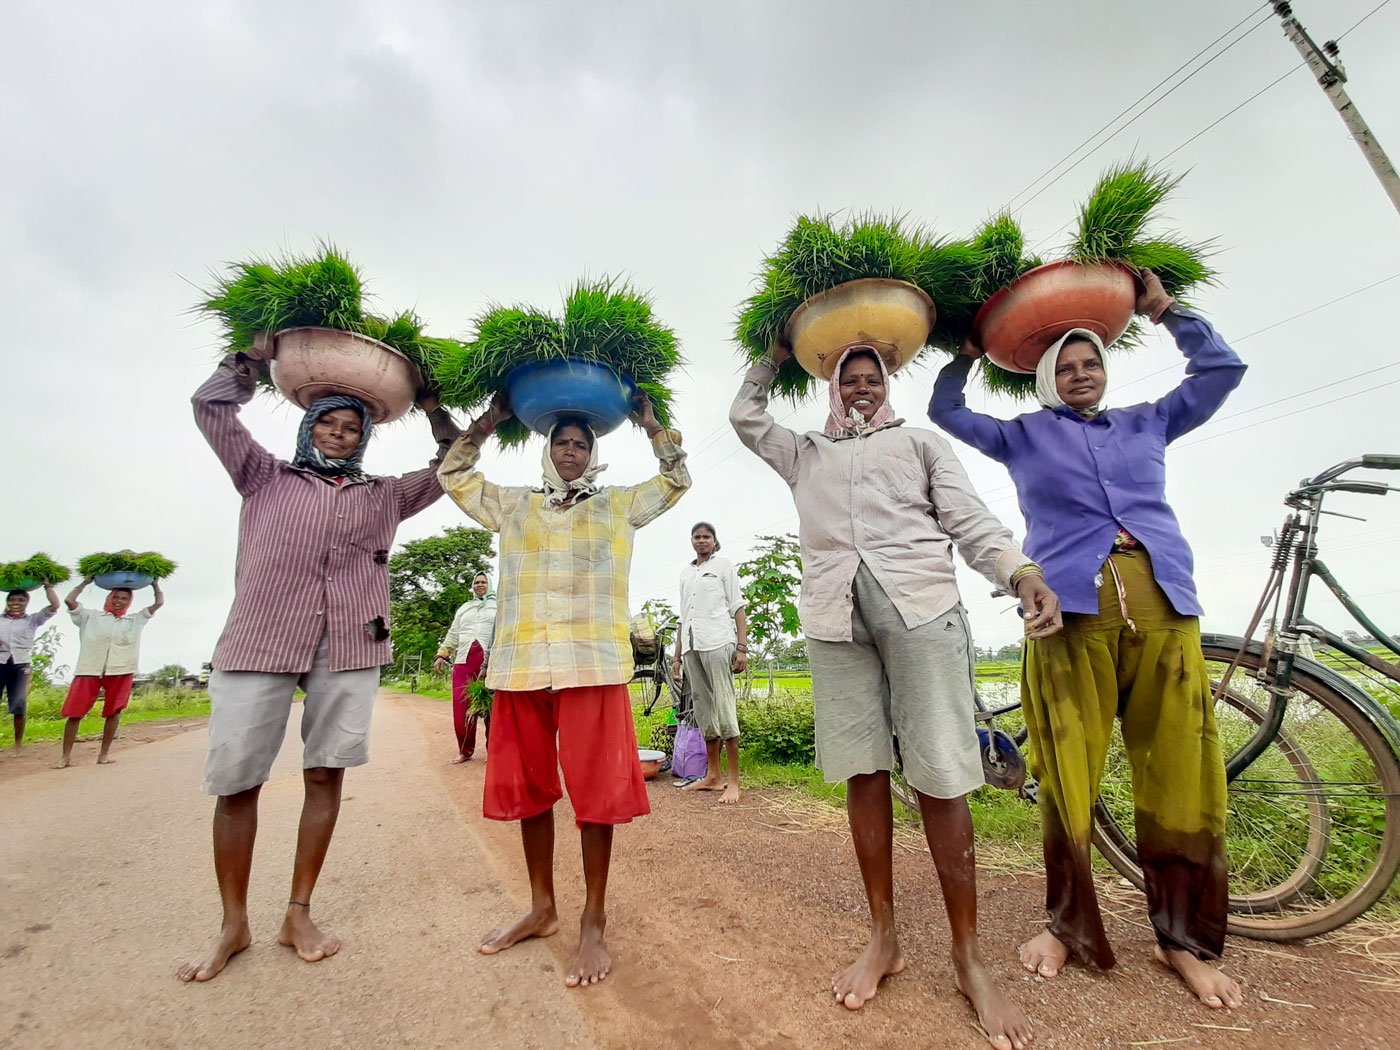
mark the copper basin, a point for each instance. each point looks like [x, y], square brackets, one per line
[895, 317]
[1019, 323]
[312, 363]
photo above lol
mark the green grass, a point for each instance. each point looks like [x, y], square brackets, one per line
[604, 321]
[148, 704]
[428, 685]
[821, 252]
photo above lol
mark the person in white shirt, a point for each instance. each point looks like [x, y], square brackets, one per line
[17, 630]
[109, 650]
[712, 647]
[468, 645]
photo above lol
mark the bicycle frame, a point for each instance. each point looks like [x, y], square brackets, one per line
[1297, 543]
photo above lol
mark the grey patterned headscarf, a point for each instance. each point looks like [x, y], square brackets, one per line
[309, 457]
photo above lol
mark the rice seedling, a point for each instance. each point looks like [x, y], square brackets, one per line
[320, 291]
[820, 253]
[44, 569]
[604, 321]
[148, 563]
[479, 699]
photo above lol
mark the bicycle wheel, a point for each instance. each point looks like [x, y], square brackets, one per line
[1312, 826]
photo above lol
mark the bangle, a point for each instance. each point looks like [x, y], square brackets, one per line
[1029, 569]
[1157, 313]
[742, 648]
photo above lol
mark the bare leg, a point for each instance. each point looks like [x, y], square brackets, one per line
[109, 733]
[948, 829]
[711, 781]
[70, 735]
[19, 731]
[731, 792]
[593, 963]
[235, 829]
[318, 816]
[542, 920]
[871, 817]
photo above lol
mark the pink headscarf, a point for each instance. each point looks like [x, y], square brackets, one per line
[838, 423]
[107, 606]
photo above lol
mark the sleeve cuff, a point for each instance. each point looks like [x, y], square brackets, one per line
[1008, 562]
[762, 372]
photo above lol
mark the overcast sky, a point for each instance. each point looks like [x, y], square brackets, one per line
[469, 153]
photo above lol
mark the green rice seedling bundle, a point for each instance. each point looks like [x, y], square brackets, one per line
[148, 563]
[324, 290]
[819, 253]
[14, 574]
[479, 699]
[604, 321]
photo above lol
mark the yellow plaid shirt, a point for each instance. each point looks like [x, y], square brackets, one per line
[562, 590]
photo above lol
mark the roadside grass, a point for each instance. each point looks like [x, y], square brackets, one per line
[431, 686]
[148, 704]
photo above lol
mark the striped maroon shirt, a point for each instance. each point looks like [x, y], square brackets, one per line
[312, 555]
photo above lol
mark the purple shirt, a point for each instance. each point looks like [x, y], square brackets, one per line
[313, 556]
[1078, 480]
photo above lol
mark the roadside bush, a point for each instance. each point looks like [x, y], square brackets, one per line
[778, 730]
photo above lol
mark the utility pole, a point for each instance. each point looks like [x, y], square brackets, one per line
[1327, 67]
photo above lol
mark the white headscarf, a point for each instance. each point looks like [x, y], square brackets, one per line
[556, 489]
[1045, 390]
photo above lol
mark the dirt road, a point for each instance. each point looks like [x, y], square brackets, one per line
[725, 925]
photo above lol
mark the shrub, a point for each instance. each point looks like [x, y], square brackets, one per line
[779, 730]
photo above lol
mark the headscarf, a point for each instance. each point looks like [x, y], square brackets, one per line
[839, 423]
[309, 457]
[107, 605]
[556, 489]
[490, 591]
[1045, 390]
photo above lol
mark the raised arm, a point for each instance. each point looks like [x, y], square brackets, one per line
[216, 406]
[72, 600]
[52, 596]
[468, 488]
[159, 598]
[948, 407]
[1213, 371]
[421, 489]
[649, 500]
[757, 430]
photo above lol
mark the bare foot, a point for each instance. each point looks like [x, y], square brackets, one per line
[104, 760]
[706, 784]
[856, 985]
[1217, 990]
[231, 941]
[731, 795]
[1044, 954]
[1003, 1022]
[543, 923]
[299, 932]
[592, 964]
[459, 760]
[64, 762]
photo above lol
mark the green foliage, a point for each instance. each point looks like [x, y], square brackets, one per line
[149, 703]
[43, 659]
[605, 321]
[324, 290]
[170, 673]
[773, 577]
[1002, 245]
[779, 730]
[1113, 223]
[40, 567]
[479, 699]
[818, 254]
[148, 563]
[428, 580]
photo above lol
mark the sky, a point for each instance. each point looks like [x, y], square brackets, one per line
[470, 153]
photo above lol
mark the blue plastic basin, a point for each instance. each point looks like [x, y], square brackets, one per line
[24, 583]
[132, 581]
[542, 391]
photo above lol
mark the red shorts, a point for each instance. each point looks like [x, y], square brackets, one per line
[82, 694]
[588, 731]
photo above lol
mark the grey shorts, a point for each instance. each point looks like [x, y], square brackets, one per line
[711, 683]
[14, 684]
[248, 720]
[890, 681]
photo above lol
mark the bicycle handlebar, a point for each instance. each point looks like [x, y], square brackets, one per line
[1380, 461]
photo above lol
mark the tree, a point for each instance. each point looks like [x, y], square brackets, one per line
[43, 658]
[170, 673]
[428, 580]
[774, 577]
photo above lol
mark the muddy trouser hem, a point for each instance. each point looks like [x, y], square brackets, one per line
[1154, 680]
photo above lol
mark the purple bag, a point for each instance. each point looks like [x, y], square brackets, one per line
[688, 758]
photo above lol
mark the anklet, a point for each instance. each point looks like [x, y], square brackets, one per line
[299, 904]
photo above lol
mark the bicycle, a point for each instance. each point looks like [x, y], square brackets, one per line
[1313, 804]
[654, 669]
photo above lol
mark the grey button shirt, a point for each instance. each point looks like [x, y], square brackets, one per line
[896, 499]
[17, 634]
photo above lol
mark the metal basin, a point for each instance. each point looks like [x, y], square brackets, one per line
[312, 363]
[895, 317]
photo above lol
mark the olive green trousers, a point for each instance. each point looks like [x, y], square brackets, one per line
[1142, 665]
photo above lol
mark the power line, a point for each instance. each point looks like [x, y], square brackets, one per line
[1134, 103]
[1363, 18]
[1330, 302]
[1285, 415]
[1232, 112]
